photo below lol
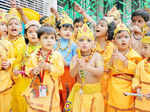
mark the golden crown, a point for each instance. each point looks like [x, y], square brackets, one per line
[146, 40]
[86, 32]
[66, 19]
[121, 27]
[114, 12]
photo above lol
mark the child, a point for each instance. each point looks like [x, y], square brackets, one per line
[142, 78]
[6, 83]
[87, 68]
[115, 14]
[14, 29]
[139, 19]
[6, 62]
[67, 48]
[77, 23]
[3, 25]
[45, 67]
[31, 36]
[122, 64]
[104, 46]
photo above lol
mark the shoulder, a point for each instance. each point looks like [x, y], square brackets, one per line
[141, 62]
[73, 44]
[134, 55]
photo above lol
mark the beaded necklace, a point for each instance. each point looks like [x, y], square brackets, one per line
[81, 72]
[38, 80]
[63, 49]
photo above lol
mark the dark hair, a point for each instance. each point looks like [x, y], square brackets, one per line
[77, 20]
[111, 29]
[120, 32]
[25, 32]
[58, 23]
[47, 30]
[42, 19]
[67, 26]
[140, 12]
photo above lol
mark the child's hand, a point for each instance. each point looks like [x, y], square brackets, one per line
[78, 8]
[118, 55]
[53, 10]
[147, 96]
[36, 70]
[20, 10]
[83, 65]
[5, 65]
[136, 30]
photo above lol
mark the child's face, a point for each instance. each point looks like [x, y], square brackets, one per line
[139, 21]
[14, 27]
[32, 34]
[47, 41]
[77, 26]
[3, 29]
[66, 32]
[146, 50]
[122, 40]
[101, 29]
[85, 43]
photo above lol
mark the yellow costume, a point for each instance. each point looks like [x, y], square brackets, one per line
[90, 99]
[6, 83]
[106, 53]
[121, 80]
[50, 102]
[143, 77]
[142, 80]
[18, 102]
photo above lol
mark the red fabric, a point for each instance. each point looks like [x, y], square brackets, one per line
[67, 84]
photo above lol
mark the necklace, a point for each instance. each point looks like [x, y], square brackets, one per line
[63, 49]
[81, 72]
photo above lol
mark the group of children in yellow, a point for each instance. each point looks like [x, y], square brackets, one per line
[65, 66]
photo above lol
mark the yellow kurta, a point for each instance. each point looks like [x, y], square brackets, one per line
[120, 82]
[91, 100]
[142, 80]
[6, 83]
[18, 102]
[106, 53]
[51, 102]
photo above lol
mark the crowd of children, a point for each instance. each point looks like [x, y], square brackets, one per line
[61, 65]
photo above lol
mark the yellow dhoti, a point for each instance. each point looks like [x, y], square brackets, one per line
[5, 101]
[18, 101]
[90, 100]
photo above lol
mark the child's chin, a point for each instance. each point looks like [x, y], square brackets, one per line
[66, 37]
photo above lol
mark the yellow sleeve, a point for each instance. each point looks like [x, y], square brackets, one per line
[108, 53]
[136, 79]
[57, 67]
[30, 63]
[19, 54]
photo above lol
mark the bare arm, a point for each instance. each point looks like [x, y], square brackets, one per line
[52, 10]
[82, 12]
[23, 16]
